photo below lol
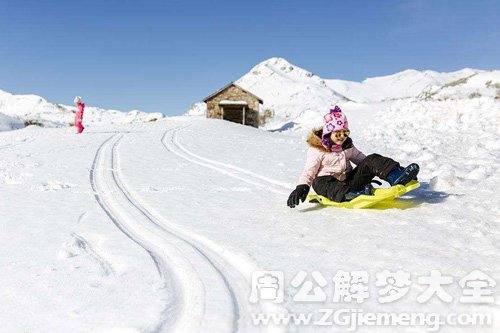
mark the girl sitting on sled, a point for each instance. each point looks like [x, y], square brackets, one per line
[328, 167]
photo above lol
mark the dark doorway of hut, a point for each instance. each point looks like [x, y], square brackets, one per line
[236, 114]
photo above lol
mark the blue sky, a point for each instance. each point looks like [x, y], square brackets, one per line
[162, 56]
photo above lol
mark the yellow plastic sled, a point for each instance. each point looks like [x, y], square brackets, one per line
[365, 201]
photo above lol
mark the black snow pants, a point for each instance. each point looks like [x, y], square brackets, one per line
[356, 179]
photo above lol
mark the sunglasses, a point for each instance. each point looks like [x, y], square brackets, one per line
[340, 134]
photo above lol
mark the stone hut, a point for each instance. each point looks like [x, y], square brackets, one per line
[235, 104]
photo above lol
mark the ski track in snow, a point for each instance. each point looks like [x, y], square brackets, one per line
[205, 289]
[100, 182]
[171, 142]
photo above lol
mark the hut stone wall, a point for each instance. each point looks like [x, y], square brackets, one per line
[234, 93]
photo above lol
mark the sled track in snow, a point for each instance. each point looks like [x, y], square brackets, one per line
[102, 196]
[205, 293]
[171, 142]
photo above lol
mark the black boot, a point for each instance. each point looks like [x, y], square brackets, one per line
[403, 176]
[367, 190]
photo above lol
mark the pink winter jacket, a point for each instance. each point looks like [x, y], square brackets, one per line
[79, 113]
[321, 162]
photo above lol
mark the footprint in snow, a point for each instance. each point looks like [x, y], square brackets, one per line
[80, 246]
[54, 186]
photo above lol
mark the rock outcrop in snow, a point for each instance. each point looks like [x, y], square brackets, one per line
[485, 84]
[405, 84]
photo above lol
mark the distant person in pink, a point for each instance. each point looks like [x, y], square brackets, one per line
[79, 114]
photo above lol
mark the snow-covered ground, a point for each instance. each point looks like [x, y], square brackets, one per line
[158, 227]
[153, 224]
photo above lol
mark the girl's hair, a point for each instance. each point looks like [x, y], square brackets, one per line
[325, 140]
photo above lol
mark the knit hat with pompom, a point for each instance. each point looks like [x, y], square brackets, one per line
[333, 121]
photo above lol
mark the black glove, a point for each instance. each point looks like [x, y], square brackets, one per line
[300, 192]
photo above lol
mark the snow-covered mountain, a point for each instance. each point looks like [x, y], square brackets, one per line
[296, 97]
[290, 92]
[34, 109]
[405, 84]
[476, 85]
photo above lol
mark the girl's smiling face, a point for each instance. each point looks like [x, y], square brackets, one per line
[338, 137]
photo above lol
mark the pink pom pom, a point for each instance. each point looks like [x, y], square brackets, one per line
[335, 109]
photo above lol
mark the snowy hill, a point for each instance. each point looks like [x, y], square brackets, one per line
[296, 97]
[141, 228]
[289, 92]
[36, 109]
[485, 84]
[408, 83]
